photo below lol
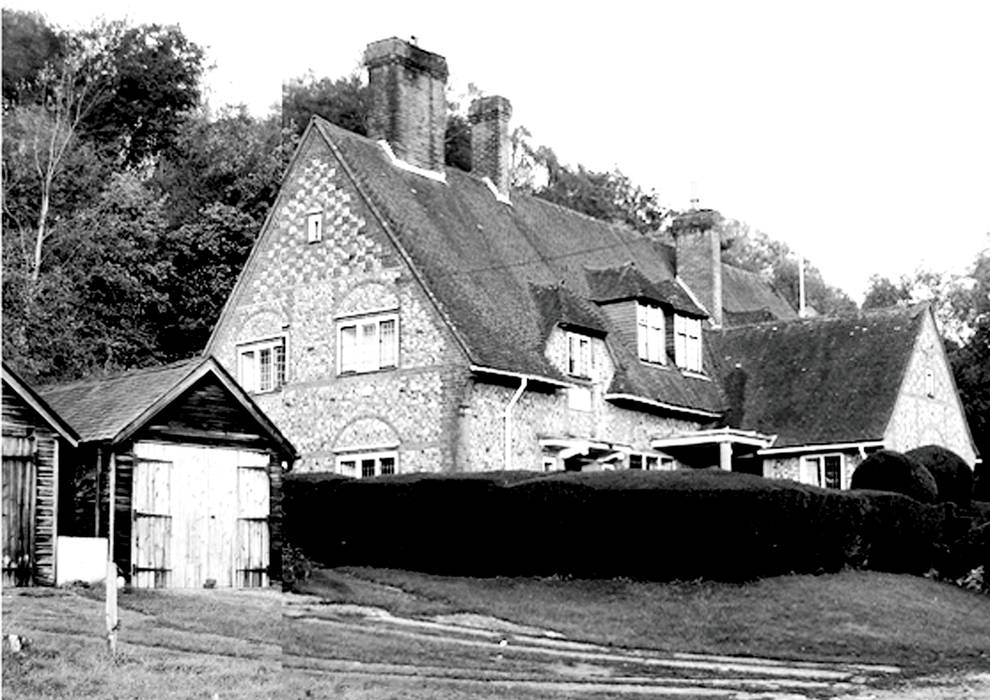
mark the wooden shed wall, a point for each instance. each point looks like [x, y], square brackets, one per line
[19, 419]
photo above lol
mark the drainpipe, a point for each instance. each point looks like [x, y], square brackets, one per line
[507, 417]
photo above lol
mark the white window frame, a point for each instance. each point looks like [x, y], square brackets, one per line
[314, 226]
[651, 335]
[580, 359]
[687, 343]
[368, 361]
[814, 469]
[250, 373]
[351, 464]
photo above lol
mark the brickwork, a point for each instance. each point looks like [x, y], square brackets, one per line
[491, 153]
[299, 290]
[919, 419]
[699, 264]
[408, 101]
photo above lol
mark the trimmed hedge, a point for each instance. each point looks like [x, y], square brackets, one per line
[643, 525]
[953, 477]
[888, 470]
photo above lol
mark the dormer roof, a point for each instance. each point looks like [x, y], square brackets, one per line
[627, 282]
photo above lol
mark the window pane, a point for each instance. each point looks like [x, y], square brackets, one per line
[635, 461]
[368, 359]
[347, 467]
[651, 463]
[387, 344]
[833, 472]
[641, 332]
[367, 468]
[388, 465]
[585, 367]
[572, 363]
[265, 369]
[280, 363]
[249, 376]
[348, 348]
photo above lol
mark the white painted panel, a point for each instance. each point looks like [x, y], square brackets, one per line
[81, 559]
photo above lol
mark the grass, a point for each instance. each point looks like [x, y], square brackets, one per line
[868, 617]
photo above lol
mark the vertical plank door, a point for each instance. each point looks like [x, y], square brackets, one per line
[253, 506]
[152, 534]
[18, 510]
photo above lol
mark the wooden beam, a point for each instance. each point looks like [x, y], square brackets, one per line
[218, 435]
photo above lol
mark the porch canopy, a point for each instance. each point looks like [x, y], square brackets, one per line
[715, 446]
[581, 452]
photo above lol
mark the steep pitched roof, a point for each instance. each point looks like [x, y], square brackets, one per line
[57, 423]
[113, 408]
[746, 297]
[480, 258]
[817, 381]
[558, 305]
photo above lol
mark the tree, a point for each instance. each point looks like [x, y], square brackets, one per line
[29, 44]
[345, 102]
[755, 251]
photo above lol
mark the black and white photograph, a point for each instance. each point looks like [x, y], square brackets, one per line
[474, 351]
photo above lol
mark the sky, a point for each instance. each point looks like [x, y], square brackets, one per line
[856, 132]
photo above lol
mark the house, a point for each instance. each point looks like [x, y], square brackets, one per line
[396, 315]
[196, 468]
[833, 390]
[34, 436]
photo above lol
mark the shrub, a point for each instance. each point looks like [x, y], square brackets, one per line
[887, 470]
[953, 477]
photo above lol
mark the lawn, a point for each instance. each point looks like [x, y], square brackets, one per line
[922, 625]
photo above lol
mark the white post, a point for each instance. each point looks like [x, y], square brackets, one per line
[725, 455]
[111, 580]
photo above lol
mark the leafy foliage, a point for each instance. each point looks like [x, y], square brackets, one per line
[953, 477]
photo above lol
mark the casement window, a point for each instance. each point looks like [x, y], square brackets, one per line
[579, 362]
[687, 343]
[827, 471]
[368, 464]
[651, 462]
[368, 344]
[650, 333]
[314, 226]
[261, 365]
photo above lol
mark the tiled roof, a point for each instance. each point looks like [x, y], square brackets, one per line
[817, 381]
[31, 397]
[745, 295]
[100, 408]
[627, 282]
[558, 305]
[480, 259]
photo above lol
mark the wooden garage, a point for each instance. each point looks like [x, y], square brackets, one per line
[34, 437]
[197, 472]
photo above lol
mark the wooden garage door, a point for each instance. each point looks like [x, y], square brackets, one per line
[18, 510]
[216, 524]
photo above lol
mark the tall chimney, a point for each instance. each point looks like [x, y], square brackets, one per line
[408, 103]
[699, 264]
[491, 152]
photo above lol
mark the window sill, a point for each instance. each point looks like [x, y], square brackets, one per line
[365, 372]
[693, 374]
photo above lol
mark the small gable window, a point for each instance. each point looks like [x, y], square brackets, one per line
[261, 365]
[579, 360]
[687, 343]
[929, 383]
[368, 464]
[650, 333]
[314, 226]
[368, 344]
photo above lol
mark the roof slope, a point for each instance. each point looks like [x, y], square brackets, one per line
[481, 258]
[100, 408]
[745, 295]
[817, 381]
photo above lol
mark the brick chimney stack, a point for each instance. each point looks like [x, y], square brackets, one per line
[699, 264]
[408, 101]
[491, 152]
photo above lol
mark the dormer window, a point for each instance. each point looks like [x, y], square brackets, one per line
[314, 226]
[687, 343]
[579, 360]
[650, 333]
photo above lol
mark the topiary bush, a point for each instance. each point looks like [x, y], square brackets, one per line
[953, 476]
[888, 470]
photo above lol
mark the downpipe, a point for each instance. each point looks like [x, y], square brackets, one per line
[507, 418]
